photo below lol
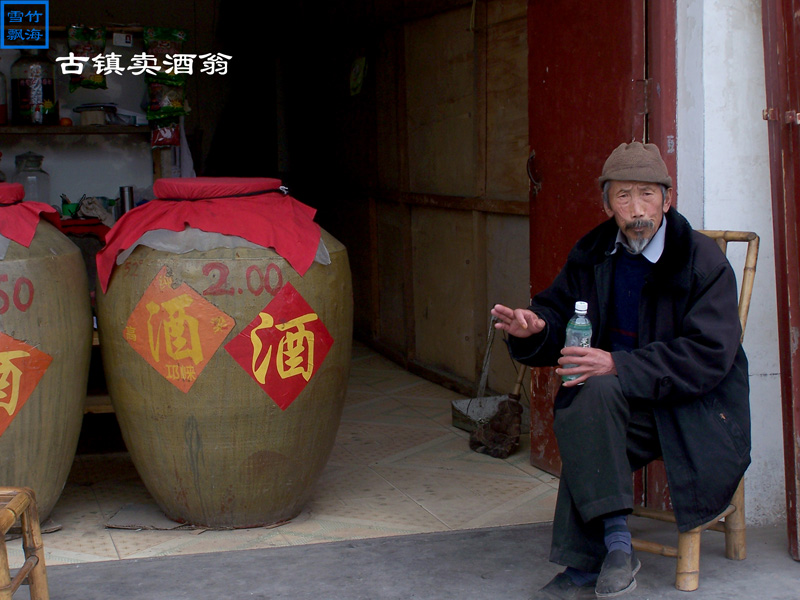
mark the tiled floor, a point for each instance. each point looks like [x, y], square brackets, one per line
[398, 467]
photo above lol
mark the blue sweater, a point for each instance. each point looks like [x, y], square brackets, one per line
[630, 271]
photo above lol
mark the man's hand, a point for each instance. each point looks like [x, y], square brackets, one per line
[587, 362]
[519, 322]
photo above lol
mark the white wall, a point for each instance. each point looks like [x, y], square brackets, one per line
[724, 183]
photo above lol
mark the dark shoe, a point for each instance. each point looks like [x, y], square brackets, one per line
[617, 575]
[562, 588]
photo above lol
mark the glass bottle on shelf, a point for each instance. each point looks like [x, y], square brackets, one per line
[33, 178]
[33, 89]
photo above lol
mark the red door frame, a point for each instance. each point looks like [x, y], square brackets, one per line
[650, 484]
[781, 54]
[585, 97]
[662, 102]
[641, 77]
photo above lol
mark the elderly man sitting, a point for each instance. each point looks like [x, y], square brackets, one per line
[665, 374]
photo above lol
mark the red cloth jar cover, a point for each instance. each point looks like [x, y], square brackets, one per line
[252, 208]
[18, 219]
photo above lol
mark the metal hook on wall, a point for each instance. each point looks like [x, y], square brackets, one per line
[536, 186]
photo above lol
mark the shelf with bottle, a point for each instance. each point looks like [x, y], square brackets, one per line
[34, 107]
[62, 29]
[74, 129]
[34, 104]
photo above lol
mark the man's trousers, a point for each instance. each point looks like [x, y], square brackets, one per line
[603, 438]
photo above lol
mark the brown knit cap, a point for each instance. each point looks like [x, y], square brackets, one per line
[636, 162]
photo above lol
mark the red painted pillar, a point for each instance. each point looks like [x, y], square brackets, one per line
[781, 43]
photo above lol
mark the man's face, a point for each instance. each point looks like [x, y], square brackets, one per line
[638, 208]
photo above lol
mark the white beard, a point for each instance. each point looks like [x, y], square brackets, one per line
[637, 245]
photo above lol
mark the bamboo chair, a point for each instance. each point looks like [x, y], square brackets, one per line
[20, 503]
[731, 522]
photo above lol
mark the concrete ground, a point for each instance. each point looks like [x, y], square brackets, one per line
[500, 562]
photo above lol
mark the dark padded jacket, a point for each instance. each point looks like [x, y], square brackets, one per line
[689, 364]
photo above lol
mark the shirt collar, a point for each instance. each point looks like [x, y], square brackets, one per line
[654, 248]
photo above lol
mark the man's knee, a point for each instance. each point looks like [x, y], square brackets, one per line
[602, 385]
[599, 398]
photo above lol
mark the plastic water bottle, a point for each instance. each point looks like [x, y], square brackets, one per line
[579, 333]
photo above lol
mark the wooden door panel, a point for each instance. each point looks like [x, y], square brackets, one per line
[586, 68]
[585, 59]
